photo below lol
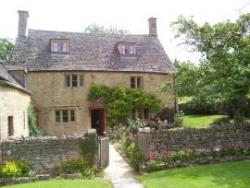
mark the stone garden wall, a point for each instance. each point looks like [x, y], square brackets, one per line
[215, 138]
[41, 153]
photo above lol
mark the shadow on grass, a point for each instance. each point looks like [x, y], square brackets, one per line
[229, 175]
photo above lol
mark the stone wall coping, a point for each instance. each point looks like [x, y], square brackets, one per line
[42, 138]
[185, 129]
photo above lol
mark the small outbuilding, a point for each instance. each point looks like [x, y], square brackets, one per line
[14, 102]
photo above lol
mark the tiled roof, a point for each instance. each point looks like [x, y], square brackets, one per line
[7, 79]
[93, 52]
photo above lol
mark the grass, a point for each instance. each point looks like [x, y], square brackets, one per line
[199, 121]
[223, 175]
[65, 184]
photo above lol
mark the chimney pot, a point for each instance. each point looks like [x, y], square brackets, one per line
[22, 23]
[152, 26]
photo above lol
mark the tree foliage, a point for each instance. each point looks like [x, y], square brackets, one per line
[99, 29]
[122, 101]
[6, 48]
[225, 64]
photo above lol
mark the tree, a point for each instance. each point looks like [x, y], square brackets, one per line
[225, 62]
[187, 78]
[6, 48]
[95, 28]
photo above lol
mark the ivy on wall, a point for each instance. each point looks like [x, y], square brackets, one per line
[122, 101]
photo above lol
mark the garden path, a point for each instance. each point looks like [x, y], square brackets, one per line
[119, 172]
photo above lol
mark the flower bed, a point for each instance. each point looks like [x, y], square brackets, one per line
[173, 159]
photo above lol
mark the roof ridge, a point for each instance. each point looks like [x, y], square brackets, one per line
[84, 33]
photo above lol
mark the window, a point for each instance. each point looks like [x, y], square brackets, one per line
[141, 113]
[146, 113]
[58, 116]
[132, 82]
[74, 80]
[59, 45]
[81, 80]
[72, 115]
[136, 82]
[67, 80]
[10, 126]
[65, 116]
[127, 50]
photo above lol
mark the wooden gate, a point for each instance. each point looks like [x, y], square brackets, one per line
[103, 152]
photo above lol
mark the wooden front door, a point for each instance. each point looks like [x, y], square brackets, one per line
[98, 120]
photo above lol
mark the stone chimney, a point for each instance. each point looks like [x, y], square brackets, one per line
[152, 26]
[22, 23]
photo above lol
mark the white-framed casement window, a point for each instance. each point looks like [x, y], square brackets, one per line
[136, 82]
[74, 80]
[127, 49]
[65, 115]
[59, 45]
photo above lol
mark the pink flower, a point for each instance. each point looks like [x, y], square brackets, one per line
[153, 155]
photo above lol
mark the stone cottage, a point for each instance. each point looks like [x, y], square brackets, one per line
[61, 66]
[14, 102]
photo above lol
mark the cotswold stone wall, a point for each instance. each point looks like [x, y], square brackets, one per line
[41, 153]
[217, 137]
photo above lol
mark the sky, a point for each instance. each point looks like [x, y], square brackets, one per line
[73, 15]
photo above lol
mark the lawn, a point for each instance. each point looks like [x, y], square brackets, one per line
[223, 175]
[199, 121]
[65, 184]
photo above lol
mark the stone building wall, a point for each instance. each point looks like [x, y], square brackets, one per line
[13, 102]
[50, 93]
[41, 153]
[217, 137]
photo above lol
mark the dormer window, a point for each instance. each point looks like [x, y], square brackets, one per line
[59, 45]
[127, 49]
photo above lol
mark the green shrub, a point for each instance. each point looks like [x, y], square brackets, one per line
[33, 130]
[178, 119]
[200, 105]
[135, 156]
[75, 166]
[70, 167]
[15, 169]
[88, 172]
[88, 148]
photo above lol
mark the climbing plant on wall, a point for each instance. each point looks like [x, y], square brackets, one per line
[122, 101]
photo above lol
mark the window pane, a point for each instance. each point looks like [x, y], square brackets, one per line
[64, 47]
[146, 114]
[127, 49]
[72, 115]
[58, 116]
[67, 80]
[10, 126]
[61, 47]
[74, 80]
[54, 47]
[65, 116]
[81, 80]
[131, 50]
[139, 82]
[132, 82]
